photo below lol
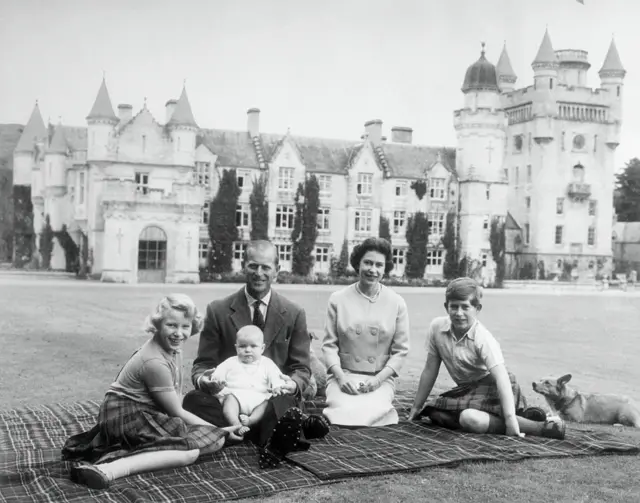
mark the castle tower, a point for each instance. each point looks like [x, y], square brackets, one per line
[183, 128]
[480, 130]
[506, 76]
[55, 166]
[545, 66]
[24, 153]
[101, 121]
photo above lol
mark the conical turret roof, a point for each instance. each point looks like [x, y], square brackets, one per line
[182, 114]
[58, 143]
[35, 129]
[612, 61]
[504, 68]
[546, 53]
[102, 107]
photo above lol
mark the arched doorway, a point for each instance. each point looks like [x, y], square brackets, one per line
[152, 255]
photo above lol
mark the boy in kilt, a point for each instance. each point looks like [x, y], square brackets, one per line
[487, 398]
[141, 424]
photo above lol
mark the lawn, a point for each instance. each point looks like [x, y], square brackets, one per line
[66, 342]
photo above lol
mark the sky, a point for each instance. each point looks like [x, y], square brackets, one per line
[321, 68]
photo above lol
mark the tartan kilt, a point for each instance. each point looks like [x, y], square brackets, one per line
[126, 427]
[480, 395]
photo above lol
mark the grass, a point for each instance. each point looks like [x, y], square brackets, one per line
[63, 342]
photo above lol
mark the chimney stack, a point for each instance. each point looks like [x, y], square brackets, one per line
[401, 134]
[170, 106]
[125, 112]
[253, 122]
[373, 129]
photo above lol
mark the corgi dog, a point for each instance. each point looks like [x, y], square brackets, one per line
[572, 405]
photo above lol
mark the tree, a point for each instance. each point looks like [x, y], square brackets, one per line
[627, 200]
[451, 266]
[420, 188]
[23, 234]
[259, 209]
[341, 265]
[6, 212]
[305, 227]
[71, 250]
[46, 243]
[497, 239]
[223, 230]
[383, 231]
[417, 238]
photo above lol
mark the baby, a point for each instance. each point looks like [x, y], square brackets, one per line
[248, 380]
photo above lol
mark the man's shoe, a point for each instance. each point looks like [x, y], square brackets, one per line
[554, 429]
[285, 439]
[315, 426]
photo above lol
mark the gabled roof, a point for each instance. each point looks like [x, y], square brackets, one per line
[34, 129]
[233, 148]
[546, 53]
[182, 114]
[102, 108]
[58, 144]
[504, 68]
[413, 161]
[612, 61]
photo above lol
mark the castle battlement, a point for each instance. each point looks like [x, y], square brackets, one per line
[127, 190]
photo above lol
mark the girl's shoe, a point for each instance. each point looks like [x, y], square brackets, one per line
[90, 476]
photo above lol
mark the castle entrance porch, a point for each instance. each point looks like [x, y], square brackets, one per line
[152, 255]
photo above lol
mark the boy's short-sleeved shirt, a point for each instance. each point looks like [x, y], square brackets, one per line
[468, 359]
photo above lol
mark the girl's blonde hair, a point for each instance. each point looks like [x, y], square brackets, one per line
[179, 302]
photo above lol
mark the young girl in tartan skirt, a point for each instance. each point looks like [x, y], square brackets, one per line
[141, 423]
[487, 398]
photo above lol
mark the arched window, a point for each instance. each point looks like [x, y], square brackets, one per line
[578, 173]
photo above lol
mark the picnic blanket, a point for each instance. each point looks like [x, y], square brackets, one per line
[31, 469]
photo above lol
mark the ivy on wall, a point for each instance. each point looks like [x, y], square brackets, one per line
[23, 232]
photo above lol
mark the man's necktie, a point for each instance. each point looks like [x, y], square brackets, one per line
[258, 319]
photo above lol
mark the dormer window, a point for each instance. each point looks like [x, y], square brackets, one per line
[365, 184]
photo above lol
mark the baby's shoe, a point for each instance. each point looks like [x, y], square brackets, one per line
[554, 429]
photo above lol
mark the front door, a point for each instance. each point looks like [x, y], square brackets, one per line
[152, 255]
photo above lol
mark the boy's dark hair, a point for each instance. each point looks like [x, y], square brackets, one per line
[379, 245]
[462, 289]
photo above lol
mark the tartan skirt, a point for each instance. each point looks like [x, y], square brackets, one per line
[480, 395]
[126, 427]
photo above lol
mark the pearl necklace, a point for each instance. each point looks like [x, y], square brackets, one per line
[374, 297]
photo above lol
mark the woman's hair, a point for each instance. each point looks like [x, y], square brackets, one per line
[178, 302]
[462, 289]
[379, 245]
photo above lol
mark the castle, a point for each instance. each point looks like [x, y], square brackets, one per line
[135, 190]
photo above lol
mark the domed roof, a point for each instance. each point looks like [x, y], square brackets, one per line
[481, 76]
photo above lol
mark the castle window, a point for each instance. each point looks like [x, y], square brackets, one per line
[399, 221]
[591, 236]
[284, 216]
[559, 205]
[517, 143]
[284, 252]
[144, 144]
[578, 173]
[483, 258]
[558, 234]
[578, 142]
[238, 250]
[241, 179]
[435, 223]
[323, 219]
[242, 216]
[322, 254]
[517, 176]
[485, 223]
[437, 188]
[142, 183]
[203, 174]
[562, 141]
[550, 83]
[618, 91]
[324, 181]
[529, 173]
[397, 255]
[362, 221]
[204, 214]
[285, 179]
[364, 186]
[595, 142]
[401, 189]
[593, 206]
[488, 191]
[203, 250]
[81, 187]
[527, 234]
[527, 202]
[434, 258]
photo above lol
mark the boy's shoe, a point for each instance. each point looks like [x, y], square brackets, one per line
[90, 476]
[554, 429]
[285, 439]
[315, 426]
[534, 414]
